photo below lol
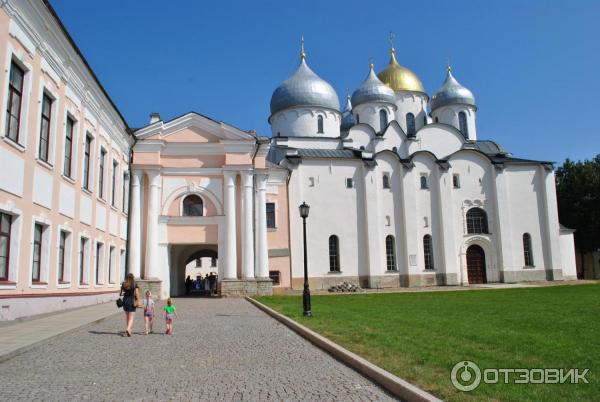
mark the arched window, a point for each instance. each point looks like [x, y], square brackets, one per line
[424, 185]
[320, 124]
[383, 119]
[357, 119]
[428, 252]
[410, 125]
[334, 254]
[437, 120]
[477, 221]
[193, 206]
[527, 250]
[390, 253]
[386, 180]
[462, 124]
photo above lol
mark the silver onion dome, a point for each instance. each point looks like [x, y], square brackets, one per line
[347, 117]
[373, 90]
[304, 88]
[451, 93]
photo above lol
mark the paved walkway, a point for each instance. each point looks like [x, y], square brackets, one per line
[223, 349]
[18, 336]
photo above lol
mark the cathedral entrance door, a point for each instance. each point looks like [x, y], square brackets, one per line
[476, 265]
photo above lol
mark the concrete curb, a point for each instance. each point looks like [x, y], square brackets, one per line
[20, 350]
[393, 384]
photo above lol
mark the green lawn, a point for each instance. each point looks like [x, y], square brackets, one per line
[420, 336]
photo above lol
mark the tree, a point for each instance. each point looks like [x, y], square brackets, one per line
[578, 193]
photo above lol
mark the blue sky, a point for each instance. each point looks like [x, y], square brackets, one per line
[534, 67]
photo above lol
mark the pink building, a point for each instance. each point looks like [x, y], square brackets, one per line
[202, 188]
[64, 154]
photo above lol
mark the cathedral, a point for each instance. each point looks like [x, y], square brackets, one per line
[401, 192]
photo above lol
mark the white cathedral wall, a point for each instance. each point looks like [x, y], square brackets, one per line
[368, 113]
[411, 102]
[334, 209]
[439, 140]
[449, 115]
[303, 122]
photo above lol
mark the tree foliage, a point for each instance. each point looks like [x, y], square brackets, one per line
[578, 192]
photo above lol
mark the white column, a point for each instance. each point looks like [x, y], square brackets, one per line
[553, 260]
[152, 225]
[262, 249]
[247, 229]
[134, 241]
[230, 230]
[374, 246]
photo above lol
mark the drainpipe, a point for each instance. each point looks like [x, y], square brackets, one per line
[129, 206]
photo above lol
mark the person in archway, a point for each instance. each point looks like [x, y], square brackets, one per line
[188, 285]
[211, 280]
[131, 297]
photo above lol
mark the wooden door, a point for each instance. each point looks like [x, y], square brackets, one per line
[476, 265]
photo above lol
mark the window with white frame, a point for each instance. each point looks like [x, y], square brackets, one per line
[68, 159]
[428, 252]
[87, 152]
[349, 182]
[527, 251]
[6, 222]
[39, 251]
[456, 181]
[83, 261]
[45, 125]
[423, 179]
[99, 266]
[270, 207]
[115, 168]
[390, 253]
[64, 251]
[462, 124]
[334, 254]
[14, 102]
[386, 180]
[320, 124]
[101, 173]
[111, 265]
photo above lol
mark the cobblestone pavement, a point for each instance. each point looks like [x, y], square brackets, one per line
[222, 350]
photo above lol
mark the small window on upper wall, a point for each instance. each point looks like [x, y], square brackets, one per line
[456, 181]
[462, 124]
[193, 206]
[410, 125]
[357, 119]
[320, 124]
[383, 120]
[311, 182]
[386, 180]
[270, 215]
[349, 182]
[424, 185]
[425, 120]
[437, 120]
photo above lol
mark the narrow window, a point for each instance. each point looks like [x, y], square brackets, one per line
[43, 150]
[82, 245]
[5, 227]
[349, 182]
[428, 252]
[124, 193]
[193, 206]
[456, 181]
[390, 253]
[383, 119]
[99, 261]
[410, 125]
[61, 256]
[37, 252]
[101, 173]
[311, 181]
[275, 277]
[477, 221]
[114, 183]
[68, 146]
[462, 124]
[111, 252]
[386, 180]
[357, 119]
[388, 221]
[425, 120]
[213, 261]
[437, 120]
[270, 215]
[13, 104]
[425, 222]
[527, 250]
[424, 185]
[199, 262]
[86, 161]
[334, 256]
[320, 124]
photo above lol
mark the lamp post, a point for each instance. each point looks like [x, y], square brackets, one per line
[306, 293]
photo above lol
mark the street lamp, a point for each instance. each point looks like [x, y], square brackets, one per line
[306, 293]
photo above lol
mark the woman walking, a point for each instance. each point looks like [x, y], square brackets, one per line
[131, 295]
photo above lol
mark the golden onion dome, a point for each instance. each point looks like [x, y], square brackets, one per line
[400, 78]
